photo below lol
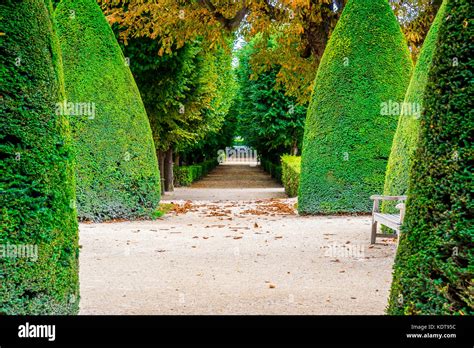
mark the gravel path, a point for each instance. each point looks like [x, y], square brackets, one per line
[234, 245]
[234, 257]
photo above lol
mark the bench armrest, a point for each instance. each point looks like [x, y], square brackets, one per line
[388, 198]
[401, 207]
[377, 198]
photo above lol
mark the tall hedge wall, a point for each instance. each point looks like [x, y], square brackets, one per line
[186, 175]
[117, 170]
[38, 227]
[347, 138]
[272, 168]
[434, 266]
[406, 135]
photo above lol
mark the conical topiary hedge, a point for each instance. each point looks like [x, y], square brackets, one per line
[406, 135]
[38, 223]
[117, 170]
[434, 266]
[347, 137]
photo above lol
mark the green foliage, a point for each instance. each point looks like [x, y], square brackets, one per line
[291, 170]
[36, 181]
[434, 266]
[117, 170]
[406, 135]
[347, 140]
[269, 121]
[186, 175]
[186, 93]
[221, 112]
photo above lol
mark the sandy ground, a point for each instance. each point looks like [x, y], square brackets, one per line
[242, 257]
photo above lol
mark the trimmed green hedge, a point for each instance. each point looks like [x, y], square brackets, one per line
[275, 170]
[117, 169]
[434, 266]
[37, 179]
[347, 138]
[291, 170]
[186, 175]
[404, 141]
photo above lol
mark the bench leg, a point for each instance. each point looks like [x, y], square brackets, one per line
[374, 232]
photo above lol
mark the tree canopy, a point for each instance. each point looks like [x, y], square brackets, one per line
[301, 27]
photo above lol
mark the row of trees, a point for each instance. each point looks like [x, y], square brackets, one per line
[268, 120]
[187, 95]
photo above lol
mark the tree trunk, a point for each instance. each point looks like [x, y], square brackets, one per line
[294, 148]
[169, 177]
[161, 163]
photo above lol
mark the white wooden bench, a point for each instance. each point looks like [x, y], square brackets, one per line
[392, 221]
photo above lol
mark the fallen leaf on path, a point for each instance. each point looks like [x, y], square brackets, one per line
[182, 209]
